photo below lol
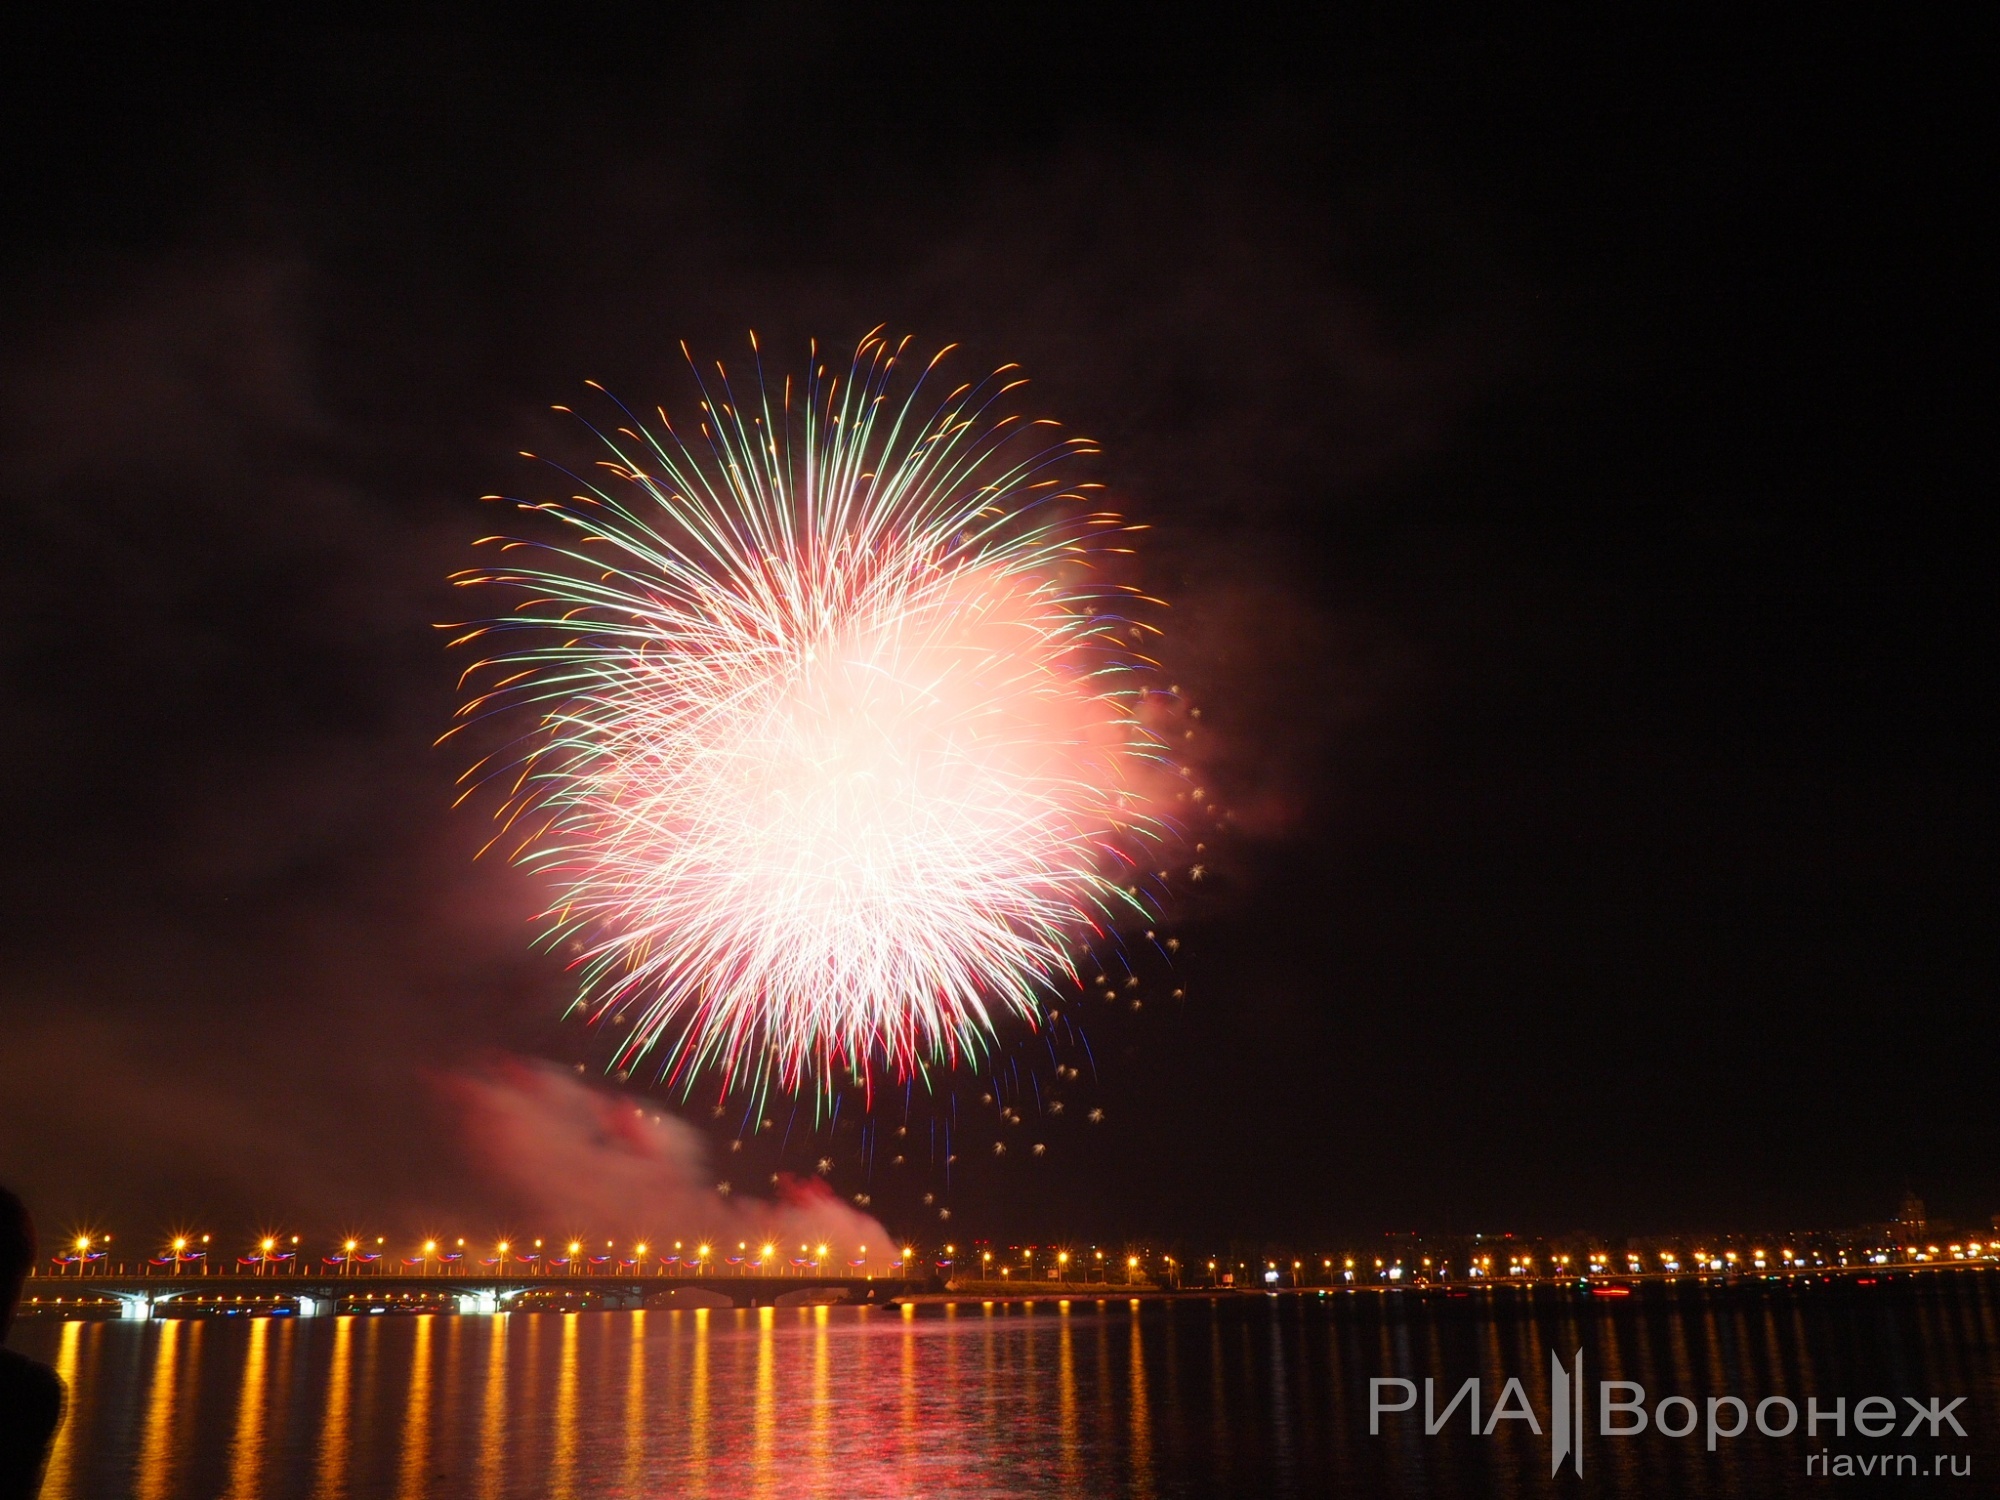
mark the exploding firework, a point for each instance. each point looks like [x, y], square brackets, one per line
[838, 754]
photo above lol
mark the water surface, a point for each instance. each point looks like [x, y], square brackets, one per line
[1247, 1396]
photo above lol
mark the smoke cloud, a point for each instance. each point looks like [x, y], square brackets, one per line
[575, 1158]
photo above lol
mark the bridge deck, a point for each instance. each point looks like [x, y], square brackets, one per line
[472, 1293]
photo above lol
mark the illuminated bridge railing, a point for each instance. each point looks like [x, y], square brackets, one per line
[309, 1295]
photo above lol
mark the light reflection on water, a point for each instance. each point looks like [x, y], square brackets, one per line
[1246, 1396]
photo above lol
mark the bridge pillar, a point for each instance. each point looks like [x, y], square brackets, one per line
[134, 1307]
[314, 1307]
[479, 1302]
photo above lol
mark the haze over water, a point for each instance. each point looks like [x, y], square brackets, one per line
[1242, 1396]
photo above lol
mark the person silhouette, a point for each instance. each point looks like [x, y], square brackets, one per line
[31, 1394]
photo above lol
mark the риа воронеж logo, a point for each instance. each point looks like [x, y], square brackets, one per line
[1623, 1411]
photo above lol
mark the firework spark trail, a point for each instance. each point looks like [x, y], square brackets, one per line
[838, 751]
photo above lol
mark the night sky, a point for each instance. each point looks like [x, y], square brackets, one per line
[1560, 448]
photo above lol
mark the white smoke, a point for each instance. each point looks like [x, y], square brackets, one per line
[584, 1161]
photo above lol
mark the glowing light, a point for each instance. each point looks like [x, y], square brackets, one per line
[837, 757]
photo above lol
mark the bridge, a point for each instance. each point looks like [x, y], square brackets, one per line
[310, 1296]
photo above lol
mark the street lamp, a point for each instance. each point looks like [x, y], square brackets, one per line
[502, 1267]
[430, 1249]
[265, 1246]
[1131, 1269]
[347, 1262]
[1062, 1265]
[82, 1251]
[575, 1249]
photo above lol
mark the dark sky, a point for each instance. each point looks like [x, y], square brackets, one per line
[1561, 452]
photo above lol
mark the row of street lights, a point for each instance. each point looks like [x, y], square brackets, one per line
[353, 1259]
[1095, 1270]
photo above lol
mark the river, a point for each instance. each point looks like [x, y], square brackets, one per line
[1238, 1396]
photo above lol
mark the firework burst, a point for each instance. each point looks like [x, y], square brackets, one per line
[836, 754]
